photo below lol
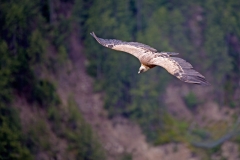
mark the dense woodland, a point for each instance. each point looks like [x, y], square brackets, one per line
[205, 33]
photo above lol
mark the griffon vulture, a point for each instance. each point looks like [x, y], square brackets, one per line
[150, 57]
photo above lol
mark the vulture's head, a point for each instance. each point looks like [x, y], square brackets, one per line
[143, 68]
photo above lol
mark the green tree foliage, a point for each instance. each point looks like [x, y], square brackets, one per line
[191, 101]
[12, 144]
[82, 139]
[5, 73]
[70, 124]
[173, 130]
[27, 29]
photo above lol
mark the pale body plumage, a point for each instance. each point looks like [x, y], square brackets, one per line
[150, 57]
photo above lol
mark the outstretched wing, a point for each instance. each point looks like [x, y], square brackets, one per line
[180, 68]
[134, 48]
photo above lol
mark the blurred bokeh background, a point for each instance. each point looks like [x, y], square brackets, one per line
[64, 97]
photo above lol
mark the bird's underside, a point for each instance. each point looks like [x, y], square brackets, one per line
[150, 57]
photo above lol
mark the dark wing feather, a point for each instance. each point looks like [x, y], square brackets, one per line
[134, 48]
[181, 69]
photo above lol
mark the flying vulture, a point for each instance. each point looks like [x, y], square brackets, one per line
[150, 57]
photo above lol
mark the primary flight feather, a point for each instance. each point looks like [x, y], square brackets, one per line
[149, 57]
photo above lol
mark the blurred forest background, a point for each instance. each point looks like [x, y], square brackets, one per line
[63, 96]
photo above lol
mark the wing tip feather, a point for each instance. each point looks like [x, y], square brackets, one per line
[197, 79]
[93, 34]
[99, 40]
